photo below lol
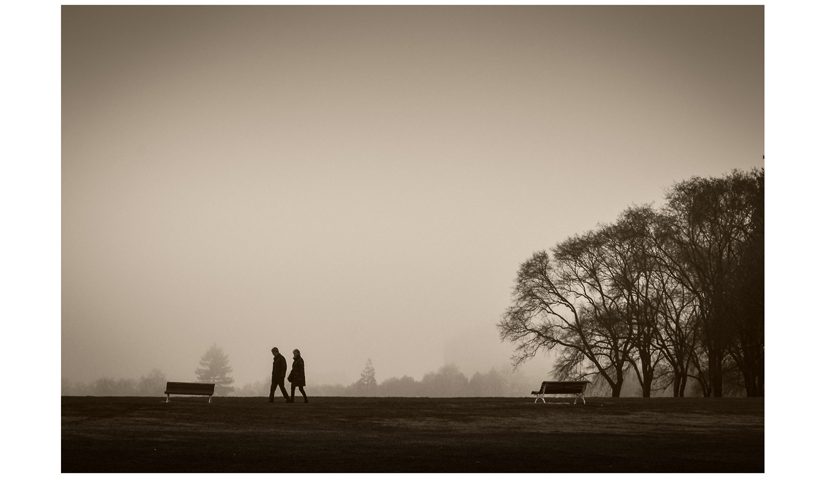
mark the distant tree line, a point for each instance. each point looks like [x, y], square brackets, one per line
[667, 294]
[447, 381]
[213, 368]
[152, 384]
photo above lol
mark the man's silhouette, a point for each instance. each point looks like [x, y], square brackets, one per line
[278, 373]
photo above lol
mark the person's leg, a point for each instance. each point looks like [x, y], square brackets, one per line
[272, 391]
[301, 388]
[293, 393]
[283, 390]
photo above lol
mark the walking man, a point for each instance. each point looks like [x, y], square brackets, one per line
[278, 373]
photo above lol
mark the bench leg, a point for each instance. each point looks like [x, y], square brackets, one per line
[167, 398]
[210, 399]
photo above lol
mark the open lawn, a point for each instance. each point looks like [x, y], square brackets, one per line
[143, 434]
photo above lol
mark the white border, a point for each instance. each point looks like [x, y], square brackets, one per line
[30, 240]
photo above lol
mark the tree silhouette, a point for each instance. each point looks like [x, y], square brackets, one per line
[715, 232]
[670, 293]
[366, 384]
[448, 381]
[560, 302]
[214, 368]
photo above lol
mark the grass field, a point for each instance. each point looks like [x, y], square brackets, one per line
[142, 434]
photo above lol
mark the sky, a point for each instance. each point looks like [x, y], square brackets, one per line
[363, 182]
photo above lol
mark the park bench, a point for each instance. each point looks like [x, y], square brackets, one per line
[187, 388]
[570, 388]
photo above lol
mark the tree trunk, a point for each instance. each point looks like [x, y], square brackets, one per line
[645, 375]
[715, 371]
[750, 386]
[616, 386]
[752, 369]
[760, 386]
[705, 384]
[679, 382]
[647, 385]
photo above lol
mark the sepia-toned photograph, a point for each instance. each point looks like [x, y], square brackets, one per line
[412, 239]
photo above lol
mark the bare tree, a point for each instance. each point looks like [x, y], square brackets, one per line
[630, 269]
[565, 303]
[748, 315]
[676, 293]
[709, 220]
[677, 333]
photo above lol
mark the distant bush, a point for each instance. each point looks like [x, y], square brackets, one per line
[150, 385]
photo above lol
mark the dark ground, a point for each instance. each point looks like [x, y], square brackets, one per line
[142, 434]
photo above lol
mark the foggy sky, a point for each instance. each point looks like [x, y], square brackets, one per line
[363, 182]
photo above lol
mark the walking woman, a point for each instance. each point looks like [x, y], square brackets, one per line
[296, 376]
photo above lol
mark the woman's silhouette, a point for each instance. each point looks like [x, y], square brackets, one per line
[296, 376]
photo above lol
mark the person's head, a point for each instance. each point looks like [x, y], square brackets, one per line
[296, 353]
[274, 350]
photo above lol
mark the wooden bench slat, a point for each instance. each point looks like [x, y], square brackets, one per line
[184, 391]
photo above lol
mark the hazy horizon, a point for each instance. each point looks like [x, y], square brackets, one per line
[363, 182]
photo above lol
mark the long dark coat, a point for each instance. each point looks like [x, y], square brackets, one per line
[278, 367]
[296, 376]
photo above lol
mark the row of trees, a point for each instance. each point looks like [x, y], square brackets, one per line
[667, 294]
[213, 368]
[151, 384]
[448, 381]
